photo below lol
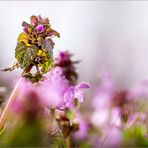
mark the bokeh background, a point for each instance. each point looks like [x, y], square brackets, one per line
[105, 35]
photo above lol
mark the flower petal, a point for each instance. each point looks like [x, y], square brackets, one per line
[82, 85]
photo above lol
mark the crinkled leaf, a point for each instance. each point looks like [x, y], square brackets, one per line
[46, 65]
[25, 54]
[56, 33]
[47, 44]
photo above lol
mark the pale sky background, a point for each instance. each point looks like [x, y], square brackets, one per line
[107, 35]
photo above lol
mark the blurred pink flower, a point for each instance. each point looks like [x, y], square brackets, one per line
[100, 117]
[135, 118]
[27, 100]
[104, 117]
[52, 89]
[114, 137]
[105, 92]
[55, 90]
[83, 127]
[75, 92]
[139, 91]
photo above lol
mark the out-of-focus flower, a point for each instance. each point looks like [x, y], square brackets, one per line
[63, 57]
[75, 92]
[105, 92]
[82, 132]
[114, 137]
[64, 61]
[135, 119]
[139, 91]
[99, 118]
[28, 102]
[52, 89]
[105, 117]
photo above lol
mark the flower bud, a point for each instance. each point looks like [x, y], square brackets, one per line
[40, 28]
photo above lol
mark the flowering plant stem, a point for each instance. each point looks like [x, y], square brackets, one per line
[52, 111]
[12, 98]
[9, 103]
[68, 141]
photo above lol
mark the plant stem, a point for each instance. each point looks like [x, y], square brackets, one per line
[12, 98]
[68, 141]
[52, 111]
[9, 103]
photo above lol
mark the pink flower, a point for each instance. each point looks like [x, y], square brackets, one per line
[83, 127]
[139, 91]
[27, 100]
[40, 28]
[52, 90]
[135, 119]
[75, 92]
[25, 29]
[105, 92]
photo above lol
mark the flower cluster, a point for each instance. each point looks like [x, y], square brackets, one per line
[64, 61]
[116, 115]
[34, 48]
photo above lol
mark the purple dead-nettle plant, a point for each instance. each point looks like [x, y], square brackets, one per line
[64, 60]
[53, 83]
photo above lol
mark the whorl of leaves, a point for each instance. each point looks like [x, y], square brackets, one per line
[25, 55]
[34, 48]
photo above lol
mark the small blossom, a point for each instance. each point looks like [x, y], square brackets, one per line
[40, 28]
[52, 90]
[25, 29]
[51, 33]
[139, 91]
[33, 20]
[75, 93]
[82, 132]
[82, 85]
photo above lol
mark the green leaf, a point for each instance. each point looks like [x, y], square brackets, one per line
[25, 54]
[47, 45]
[69, 113]
[46, 65]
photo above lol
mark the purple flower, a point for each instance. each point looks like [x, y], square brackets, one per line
[52, 90]
[51, 33]
[33, 20]
[75, 92]
[139, 91]
[65, 55]
[28, 99]
[25, 29]
[105, 92]
[82, 132]
[40, 28]
[136, 118]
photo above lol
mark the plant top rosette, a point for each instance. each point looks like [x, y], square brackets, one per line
[35, 48]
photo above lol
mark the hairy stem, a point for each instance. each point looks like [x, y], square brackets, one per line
[12, 98]
[52, 111]
[9, 104]
[68, 141]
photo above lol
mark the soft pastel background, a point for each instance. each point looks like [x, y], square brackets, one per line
[105, 35]
[111, 40]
